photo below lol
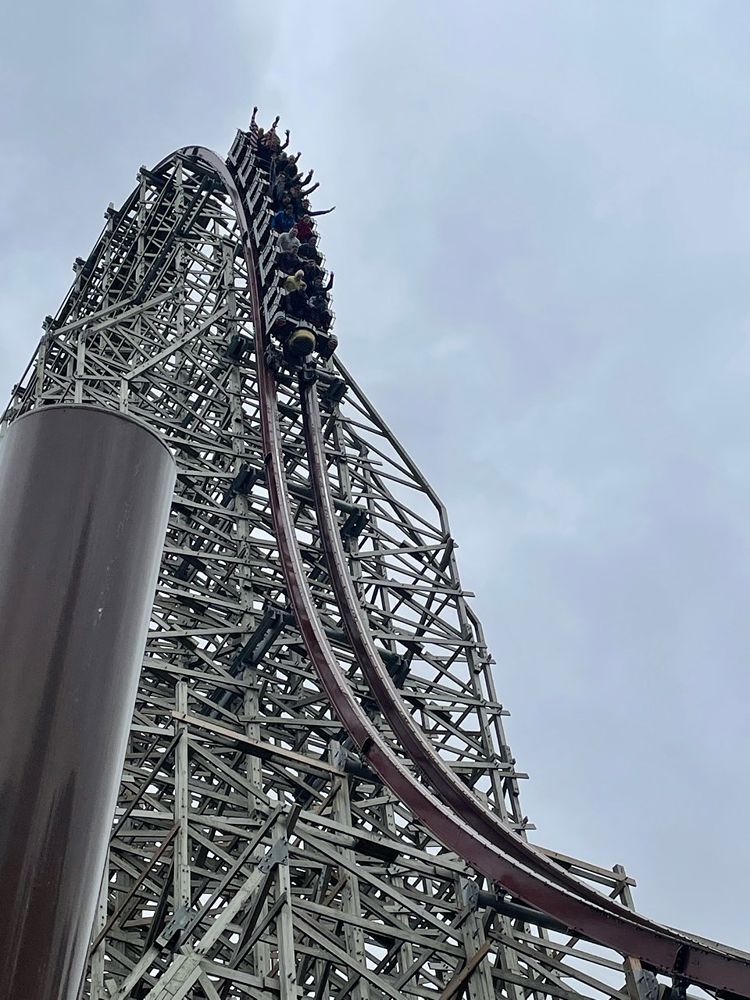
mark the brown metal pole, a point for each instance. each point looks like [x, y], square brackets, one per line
[84, 501]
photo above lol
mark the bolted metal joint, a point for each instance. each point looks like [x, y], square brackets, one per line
[277, 854]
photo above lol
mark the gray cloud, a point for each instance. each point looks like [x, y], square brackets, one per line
[541, 250]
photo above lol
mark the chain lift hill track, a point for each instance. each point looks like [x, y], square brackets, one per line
[318, 799]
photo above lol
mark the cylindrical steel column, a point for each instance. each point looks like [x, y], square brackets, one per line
[84, 501]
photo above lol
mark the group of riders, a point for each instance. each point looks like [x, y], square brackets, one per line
[298, 263]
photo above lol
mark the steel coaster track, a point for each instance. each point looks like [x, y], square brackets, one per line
[449, 788]
[420, 749]
[488, 846]
[444, 781]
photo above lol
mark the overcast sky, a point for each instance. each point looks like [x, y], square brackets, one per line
[542, 257]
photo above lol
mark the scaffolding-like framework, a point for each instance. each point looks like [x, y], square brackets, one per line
[259, 849]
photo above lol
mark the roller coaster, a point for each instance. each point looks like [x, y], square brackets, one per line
[318, 798]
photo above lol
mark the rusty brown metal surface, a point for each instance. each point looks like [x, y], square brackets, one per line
[84, 502]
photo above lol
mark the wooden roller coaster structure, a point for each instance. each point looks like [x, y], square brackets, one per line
[318, 798]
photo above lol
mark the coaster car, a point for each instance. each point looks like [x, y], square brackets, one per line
[300, 342]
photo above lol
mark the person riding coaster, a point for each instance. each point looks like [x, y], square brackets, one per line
[299, 336]
[299, 343]
[299, 266]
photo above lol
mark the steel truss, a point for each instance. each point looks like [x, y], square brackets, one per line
[259, 849]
